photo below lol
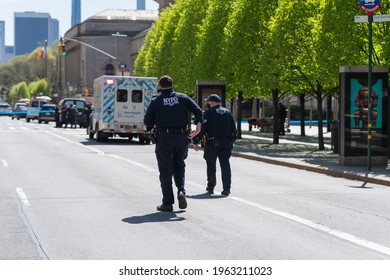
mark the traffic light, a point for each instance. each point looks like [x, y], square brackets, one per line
[61, 47]
[63, 50]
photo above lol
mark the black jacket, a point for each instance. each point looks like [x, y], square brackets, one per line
[217, 123]
[170, 110]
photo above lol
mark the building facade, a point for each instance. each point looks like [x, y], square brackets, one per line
[2, 42]
[31, 31]
[76, 12]
[141, 5]
[120, 33]
[9, 53]
[111, 31]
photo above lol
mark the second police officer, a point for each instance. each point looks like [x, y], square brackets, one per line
[168, 113]
[219, 129]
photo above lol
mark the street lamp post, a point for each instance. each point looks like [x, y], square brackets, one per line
[117, 35]
[45, 57]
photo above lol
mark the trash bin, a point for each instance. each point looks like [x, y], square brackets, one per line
[334, 139]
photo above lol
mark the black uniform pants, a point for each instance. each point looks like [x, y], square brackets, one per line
[221, 149]
[281, 126]
[171, 151]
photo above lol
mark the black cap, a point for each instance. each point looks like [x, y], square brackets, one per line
[213, 97]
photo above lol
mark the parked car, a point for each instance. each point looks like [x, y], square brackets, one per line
[15, 110]
[5, 109]
[19, 112]
[33, 109]
[47, 113]
[80, 105]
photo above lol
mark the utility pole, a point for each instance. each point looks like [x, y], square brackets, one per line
[45, 53]
[117, 35]
[369, 7]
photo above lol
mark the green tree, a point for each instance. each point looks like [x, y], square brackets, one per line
[39, 88]
[30, 67]
[185, 41]
[211, 34]
[245, 35]
[267, 48]
[295, 34]
[19, 91]
[341, 41]
[155, 55]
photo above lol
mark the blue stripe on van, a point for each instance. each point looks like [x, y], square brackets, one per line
[150, 85]
[106, 115]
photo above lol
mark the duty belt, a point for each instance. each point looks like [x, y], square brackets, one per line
[172, 130]
[215, 140]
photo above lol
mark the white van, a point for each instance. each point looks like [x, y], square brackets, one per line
[33, 109]
[120, 103]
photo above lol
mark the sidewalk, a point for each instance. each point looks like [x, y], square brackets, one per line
[302, 152]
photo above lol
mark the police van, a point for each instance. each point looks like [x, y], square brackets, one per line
[120, 103]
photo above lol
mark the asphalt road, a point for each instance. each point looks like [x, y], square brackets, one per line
[63, 196]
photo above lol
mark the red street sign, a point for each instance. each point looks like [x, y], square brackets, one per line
[370, 6]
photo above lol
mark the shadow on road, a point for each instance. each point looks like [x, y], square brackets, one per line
[113, 141]
[205, 196]
[155, 218]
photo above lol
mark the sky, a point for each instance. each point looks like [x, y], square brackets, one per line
[60, 10]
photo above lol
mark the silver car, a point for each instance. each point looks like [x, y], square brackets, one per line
[5, 109]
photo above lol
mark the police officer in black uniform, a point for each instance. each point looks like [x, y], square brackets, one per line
[169, 114]
[220, 131]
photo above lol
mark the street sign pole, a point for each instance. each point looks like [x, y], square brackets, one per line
[369, 120]
[369, 7]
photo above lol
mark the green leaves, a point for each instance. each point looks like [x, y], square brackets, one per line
[256, 46]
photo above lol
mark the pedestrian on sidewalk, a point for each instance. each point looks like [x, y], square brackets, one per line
[282, 118]
[220, 131]
[168, 114]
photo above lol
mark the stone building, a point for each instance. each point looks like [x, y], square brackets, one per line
[118, 33]
[98, 45]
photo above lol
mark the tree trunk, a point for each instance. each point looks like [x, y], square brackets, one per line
[239, 115]
[319, 98]
[302, 113]
[275, 114]
[232, 106]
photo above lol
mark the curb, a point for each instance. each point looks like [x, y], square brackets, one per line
[311, 168]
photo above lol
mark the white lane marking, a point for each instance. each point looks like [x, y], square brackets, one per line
[342, 235]
[23, 196]
[4, 162]
[143, 166]
[70, 141]
[61, 137]
[92, 149]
